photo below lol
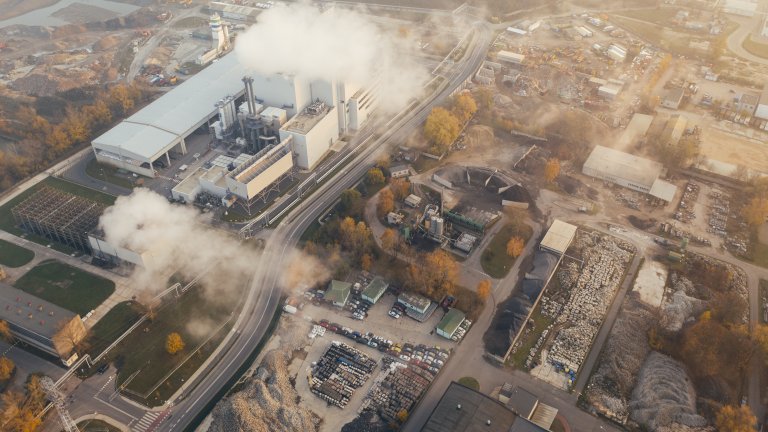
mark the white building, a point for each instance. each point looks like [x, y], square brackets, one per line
[629, 171]
[761, 111]
[740, 7]
[510, 57]
[313, 132]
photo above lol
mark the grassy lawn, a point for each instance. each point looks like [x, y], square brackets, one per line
[96, 426]
[66, 286]
[470, 382]
[14, 256]
[756, 48]
[495, 260]
[6, 218]
[108, 174]
[540, 322]
[143, 352]
[675, 42]
[112, 325]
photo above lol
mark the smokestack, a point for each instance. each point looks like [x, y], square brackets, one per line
[248, 81]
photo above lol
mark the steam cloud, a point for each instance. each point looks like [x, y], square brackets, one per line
[175, 239]
[338, 44]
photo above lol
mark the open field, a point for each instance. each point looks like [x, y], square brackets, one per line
[14, 256]
[755, 48]
[732, 149]
[141, 359]
[495, 260]
[66, 286]
[113, 324]
[661, 16]
[657, 35]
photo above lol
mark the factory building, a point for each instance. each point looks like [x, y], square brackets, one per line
[240, 107]
[629, 171]
[104, 250]
[41, 324]
[673, 99]
[761, 111]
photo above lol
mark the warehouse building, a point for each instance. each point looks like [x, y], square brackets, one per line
[41, 324]
[674, 129]
[510, 58]
[375, 290]
[673, 99]
[558, 237]
[338, 292]
[231, 100]
[629, 171]
[462, 409]
[450, 323]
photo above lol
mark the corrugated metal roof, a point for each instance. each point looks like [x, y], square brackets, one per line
[451, 321]
[617, 164]
[663, 189]
[476, 409]
[559, 236]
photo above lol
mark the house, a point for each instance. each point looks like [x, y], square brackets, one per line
[394, 218]
[399, 171]
[375, 290]
[338, 292]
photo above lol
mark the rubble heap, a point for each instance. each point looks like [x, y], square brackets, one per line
[605, 259]
[271, 404]
[679, 307]
[611, 385]
[664, 395]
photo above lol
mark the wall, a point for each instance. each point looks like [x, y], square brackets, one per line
[311, 147]
[282, 91]
[619, 181]
[101, 246]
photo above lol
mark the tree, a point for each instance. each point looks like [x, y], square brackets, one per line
[383, 161]
[389, 241]
[515, 246]
[174, 343]
[464, 107]
[6, 368]
[485, 98]
[434, 274]
[366, 261]
[351, 203]
[374, 176]
[756, 211]
[551, 169]
[347, 232]
[484, 289]
[735, 419]
[5, 331]
[402, 416]
[401, 188]
[386, 203]
[441, 128]
[728, 307]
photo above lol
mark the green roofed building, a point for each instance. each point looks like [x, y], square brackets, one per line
[338, 292]
[450, 323]
[375, 290]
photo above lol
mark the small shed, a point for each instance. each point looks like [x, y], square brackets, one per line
[558, 237]
[413, 201]
[338, 292]
[450, 323]
[375, 290]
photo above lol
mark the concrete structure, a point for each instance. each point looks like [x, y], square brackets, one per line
[608, 91]
[235, 12]
[394, 218]
[748, 103]
[413, 200]
[414, 302]
[41, 324]
[313, 132]
[761, 111]
[510, 57]
[462, 409]
[261, 171]
[740, 7]
[450, 323]
[673, 99]
[558, 237]
[219, 34]
[375, 290]
[102, 249]
[674, 129]
[399, 171]
[338, 292]
[623, 169]
[527, 405]
[635, 131]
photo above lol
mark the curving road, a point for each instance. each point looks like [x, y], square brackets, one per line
[737, 38]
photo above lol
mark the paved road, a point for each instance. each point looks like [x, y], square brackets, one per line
[735, 39]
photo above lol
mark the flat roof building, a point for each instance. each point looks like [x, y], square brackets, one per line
[398, 171]
[375, 290]
[510, 57]
[41, 324]
[748, 102]
[462, 409]
[673, 98]
[762, 106]
[338, 292]
[558, 237]
[623, 169]
[313, 131]
[415, 302]
[450, 323]
[674, 129]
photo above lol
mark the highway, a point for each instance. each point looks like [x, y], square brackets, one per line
[263, 298]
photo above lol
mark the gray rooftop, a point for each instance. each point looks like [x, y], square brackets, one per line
[30, 312]
[522, 402]
[304, 122]
[476, 409]
[618, 164]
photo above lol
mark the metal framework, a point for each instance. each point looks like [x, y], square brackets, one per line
[263, 195]
[59, 401]
[59, 216]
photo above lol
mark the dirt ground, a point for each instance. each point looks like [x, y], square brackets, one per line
[734, 149]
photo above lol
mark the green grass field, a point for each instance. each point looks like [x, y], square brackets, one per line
[470, 382]
[195, 317]
[14, 256]
[66, 286]
[495, 260]
[113, 324]
[96, 426]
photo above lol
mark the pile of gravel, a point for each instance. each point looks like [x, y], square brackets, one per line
[268, 405]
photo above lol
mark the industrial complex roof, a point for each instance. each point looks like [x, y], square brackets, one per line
[522, 402]
[617, 164]
[30, 312]
[762, 108]
[159, 125]
[462, 409]
[559, 236]
[523, 425]
[663, 189]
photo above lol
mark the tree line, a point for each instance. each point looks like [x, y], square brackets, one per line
[44, 139]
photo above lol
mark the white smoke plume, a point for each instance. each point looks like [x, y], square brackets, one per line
[175, 239]
[337, 44]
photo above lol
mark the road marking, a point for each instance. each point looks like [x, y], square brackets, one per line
[115, 408]
[145, 422]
